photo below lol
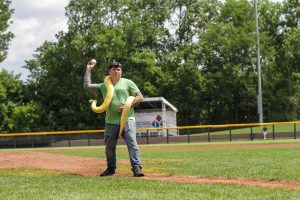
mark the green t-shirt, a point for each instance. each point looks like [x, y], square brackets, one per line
[123, 89]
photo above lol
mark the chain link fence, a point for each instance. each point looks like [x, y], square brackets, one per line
[188, 134]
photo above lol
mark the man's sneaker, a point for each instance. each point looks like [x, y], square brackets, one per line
[137, 172]
[108, 172]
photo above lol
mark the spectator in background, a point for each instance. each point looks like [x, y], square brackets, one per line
[265, 132]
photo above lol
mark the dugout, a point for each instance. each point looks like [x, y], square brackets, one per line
[156, 112]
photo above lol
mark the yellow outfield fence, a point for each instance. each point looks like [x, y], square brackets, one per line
[50, 133]
[200, 133]
[149, 129]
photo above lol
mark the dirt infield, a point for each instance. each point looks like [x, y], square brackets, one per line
[93, 166]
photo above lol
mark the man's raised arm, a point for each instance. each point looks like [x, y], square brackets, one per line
[87, 76]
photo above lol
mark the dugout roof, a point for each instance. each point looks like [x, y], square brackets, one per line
[156, 103]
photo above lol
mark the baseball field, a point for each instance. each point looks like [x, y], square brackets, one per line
[228, 170]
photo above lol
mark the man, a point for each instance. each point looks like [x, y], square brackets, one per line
[123, 88]
[265, 132]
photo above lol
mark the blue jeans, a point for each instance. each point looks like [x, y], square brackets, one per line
[111, 137]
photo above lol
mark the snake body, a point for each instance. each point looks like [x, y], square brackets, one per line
[109, 94]
[124, 116]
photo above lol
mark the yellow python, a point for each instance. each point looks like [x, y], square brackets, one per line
[124, 116]
[109, 94]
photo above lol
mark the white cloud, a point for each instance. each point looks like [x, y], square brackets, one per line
[34, 22]
[44, 5]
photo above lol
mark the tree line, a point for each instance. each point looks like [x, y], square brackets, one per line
[200, 55]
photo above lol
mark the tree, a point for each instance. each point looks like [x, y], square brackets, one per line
[16, 113]
[105, 34]
[25, 116]
[5, 35]
[57, 83]
[189, 18]
[227, 52]
[280, 23]
[200, 55]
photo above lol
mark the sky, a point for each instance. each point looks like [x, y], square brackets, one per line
[34, 22]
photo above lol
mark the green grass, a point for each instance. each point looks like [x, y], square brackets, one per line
[258, 129]
[276, 163]
[15, 187]
[251, 163]
[28, 172]
[269, 164]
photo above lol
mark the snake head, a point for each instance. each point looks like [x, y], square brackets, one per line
[92, 100]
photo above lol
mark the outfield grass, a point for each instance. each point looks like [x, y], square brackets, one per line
[276, 163]
[54, 187]
[256, 129]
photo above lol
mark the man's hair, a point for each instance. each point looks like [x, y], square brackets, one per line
[115, 64]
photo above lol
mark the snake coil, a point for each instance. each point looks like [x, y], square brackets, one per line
[109, 94]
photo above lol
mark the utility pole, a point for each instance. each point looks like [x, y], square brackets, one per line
[259, 96]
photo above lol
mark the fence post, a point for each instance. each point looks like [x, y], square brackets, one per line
[69, 138]
[208, 135]
[147, 136]
[14, 142]
[273, 131]
[50, 141]
[189, 139]
[295, 133]
[89, 140]
[251, 133]
[230, 136]
[167, 136]
[32, 144]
